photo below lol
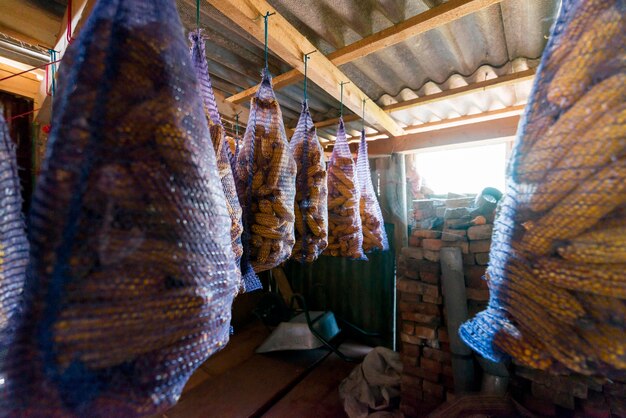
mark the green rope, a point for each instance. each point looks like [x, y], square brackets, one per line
[266, 18]
[306, 60]
[197, 14]
[237, 124]
[341, 98]
[363, 119]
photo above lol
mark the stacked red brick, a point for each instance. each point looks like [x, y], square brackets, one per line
[424, 349]
[427, 377]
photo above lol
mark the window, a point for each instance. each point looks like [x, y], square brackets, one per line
[463, 170]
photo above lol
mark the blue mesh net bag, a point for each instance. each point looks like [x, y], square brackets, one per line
[345, 234]
[311, 191]
[13, 242]
[224, 156]
[374, 235]
[557, 271]
[131, 276]
[266, 183]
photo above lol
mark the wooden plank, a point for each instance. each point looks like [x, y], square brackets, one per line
[290, 45]
[481, 131]
[318, 393]
[450, 123]
[239, 349]
[423, 22]
[504, 80]
[251, 387]
[466, 120]
[24, 21]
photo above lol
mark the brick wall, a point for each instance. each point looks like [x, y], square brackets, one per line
[424, 345]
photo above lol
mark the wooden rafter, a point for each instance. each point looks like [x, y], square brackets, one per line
[452, 122]
[290, 45]
[481, 131]
[423, 22]
[502, 81]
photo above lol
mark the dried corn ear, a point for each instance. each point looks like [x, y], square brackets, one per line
[598, 51]
[311, 207]
[601, 143]
[550, 148]
[341, 174]
[604, 245]
[374, 235]
[133, 274]
[600, 279]
[265, 178]
[581, 209]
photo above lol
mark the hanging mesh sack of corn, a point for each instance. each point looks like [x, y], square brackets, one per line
[374, 235]
[131, 276]
[557, 272]
[13, 242]
[345, 234]
[311, 194]
[266, 174]
[222, 151]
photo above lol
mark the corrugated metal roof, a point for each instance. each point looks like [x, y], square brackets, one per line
[506, 37]
[497, 40]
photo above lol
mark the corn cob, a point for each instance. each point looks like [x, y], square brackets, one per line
[338, 175]
[557, 301]
[266, 232]
[524, 348]
[265, 206]
[299, 222]
[596, 247]
[256, 240]
[283, 209]
[609, 343]
[269, 221]
[576, 72]
[257, 180]
[336, 202]
[581, 209]
[597, 146]
[604, 309]
[560, 341]
[548, 150]
[581, 17]
[264, 251]
[601, 279]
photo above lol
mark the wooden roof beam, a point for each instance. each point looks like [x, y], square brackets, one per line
[423, 22]
[290, 45]
[502, 81]
[492, 129]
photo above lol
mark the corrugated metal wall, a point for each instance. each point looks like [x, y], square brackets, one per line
[361, 292]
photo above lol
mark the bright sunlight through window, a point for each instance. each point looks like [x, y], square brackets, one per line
[463, 170]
